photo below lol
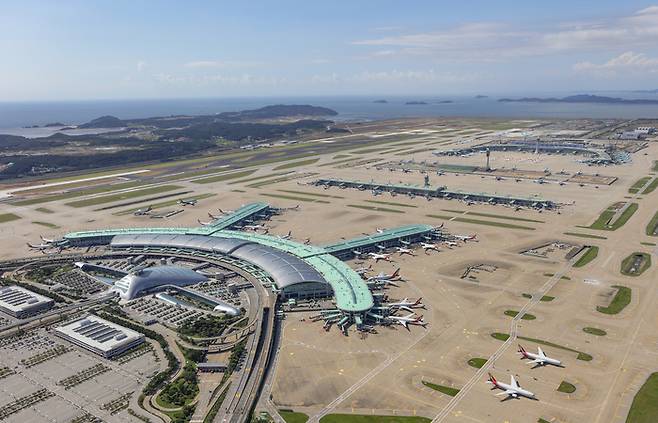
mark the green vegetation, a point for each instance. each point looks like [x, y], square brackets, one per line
[224, 177]
[655, 166]
[258, 178]
[46, 224]
[81, 193]
[441, 388]
[638, 184]
[644, 408]
[595, 331]
[8, 217]
[651, 187]
[122, 196]
[566, 278]
[497, 216]
[513, 313]
[204, 327]
[296, 164]
[360, 418]
[382, 209]
[280, 179]
[587, 256]
[481, 222]
[566, 387]
[391, 203]
[545, 298]
[44, 210]
[603, 222]
[296, 198]
[292, 417]
[621, 299]
[477, 362]
[627, 265]
[181, 391]
[585, 235]
[581, 355]
[652, 227]
[542, 420]
[648, 244]
[312, 194]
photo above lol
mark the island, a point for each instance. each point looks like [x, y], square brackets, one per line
[415, 103]
[380, 101]
[580, 98]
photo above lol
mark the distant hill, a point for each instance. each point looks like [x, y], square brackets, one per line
[646, 91]
[278, 111]
[380, 101]
[415, 103]
[481, 96]
[580, 98]
[104, 122]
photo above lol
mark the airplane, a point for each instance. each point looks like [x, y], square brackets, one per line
[307, 241]
[428, 247]
[39, 247]
[410, 319]
[204, 223]
[378, 256]
[286, 236]
[143, 212]
[190, 202]
[540, 358]
[255, 227]
[404, 250]
[512, 390]
[395, 276]
[379, 230]
[225, 212]
[212, 216]
[46, 240]
[407, 305]
[363, 270]
[466, 238]
[450, 244]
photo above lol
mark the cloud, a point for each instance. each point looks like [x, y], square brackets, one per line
[628, 62]
[394, 76]
[217, 79]
[205, 64]
[495, 41]
[141, 65]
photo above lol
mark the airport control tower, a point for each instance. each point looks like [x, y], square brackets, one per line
[488, 155]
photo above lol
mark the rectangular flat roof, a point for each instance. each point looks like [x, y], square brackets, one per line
[17, 299]
[386, 235]
[98, 334]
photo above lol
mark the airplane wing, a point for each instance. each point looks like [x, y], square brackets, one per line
[541, 353]
[513, 382]
[506, 392]
[536, 361]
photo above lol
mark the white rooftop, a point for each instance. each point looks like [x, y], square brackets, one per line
[99, 334]
[17, 299]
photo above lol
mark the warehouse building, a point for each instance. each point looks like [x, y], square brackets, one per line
[99, 336]
[21, 303]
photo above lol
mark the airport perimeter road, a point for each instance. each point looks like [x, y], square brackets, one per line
[477, 377]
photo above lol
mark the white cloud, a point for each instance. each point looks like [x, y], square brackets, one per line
[217, 79]
[141, 65]
[628, 62]
[495, 41]
[204, 64]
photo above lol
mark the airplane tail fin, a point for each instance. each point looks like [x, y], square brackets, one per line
[521, 349]
[418, 301]
[396, 273]
[491, 379]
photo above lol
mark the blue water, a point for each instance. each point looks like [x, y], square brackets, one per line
[18, 115]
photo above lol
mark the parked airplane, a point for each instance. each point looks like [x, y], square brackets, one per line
[410, 319]
[363, 270]
[395, 276]
[255, 227]
[512, 390]
[143, 212]
[407, 305]
[225, 212]
[428, 247]
[380, 230]
[204, 223]
[466, 238]
[46, 240]
[190, 202]
[405, 250]
[450, 244]
[213, 217]
[286, 236]
[378, 256]
[40, 247]
[540, 358]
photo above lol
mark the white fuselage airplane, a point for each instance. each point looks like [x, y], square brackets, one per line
[40, 247]
[384, 277]
[286, 236]
[540, 358]
[363, 270]
[212, 216]
[142, 212]
[225, 212]
[203, 223]
[513, 390]
[46, 240]
[191, 202]
[379, 230]
[410, 319]
[404, 250]
[429, 247]
[254, 227]
[377, 256]
[450, 244]
[407, 305]
[465, 238]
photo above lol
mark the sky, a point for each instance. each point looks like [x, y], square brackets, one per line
[74, 50]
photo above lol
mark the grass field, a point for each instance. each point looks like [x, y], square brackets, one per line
[603, 222]
[164, 204]
[44, 210]
[566, 387]
[513, 313]
[627, 264]
[46, 224]
[296, 164]
[359, 418]
[651, 227]
[589, 255]
[545, 298]
[224, 177]
[481, 222]
[638, 184]
[595, 331]
[648, 244]
[372, 208]
[80, 193]
[581, 355]
[621, 299]
[311, 194]
[280, 179]
[477, 362]
[496, 216]
[293, 417]
[390, 203]
[644, 408]
[566, 278]
[8, 217]
[259, 178]
[441, 388]
[297, 198]
[122, 196]
[585, 235]
[651, 187]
